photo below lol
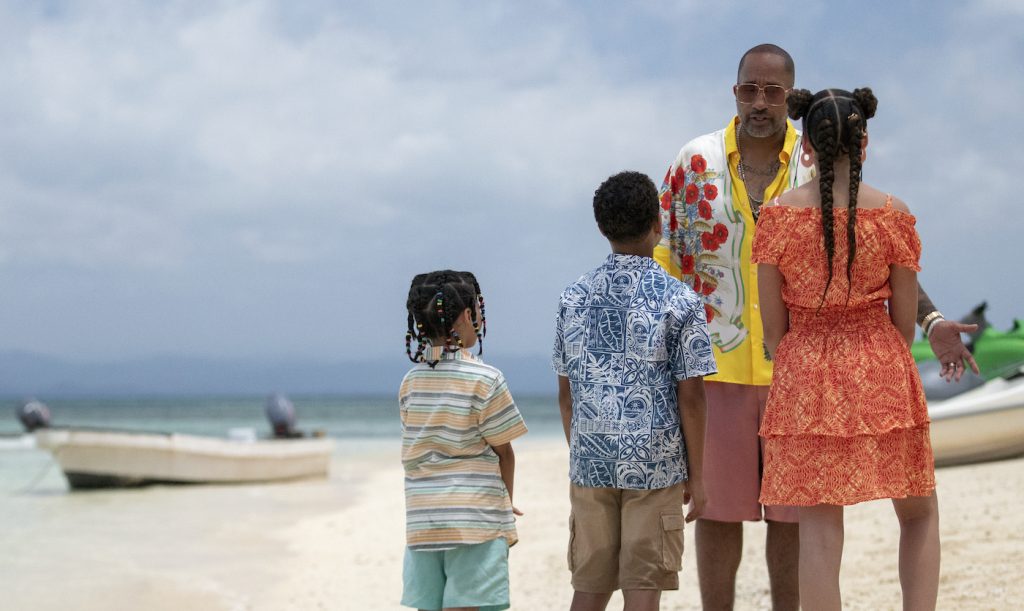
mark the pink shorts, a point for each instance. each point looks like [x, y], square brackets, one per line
[732, 455]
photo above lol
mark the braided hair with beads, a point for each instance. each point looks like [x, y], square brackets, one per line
[834, 120]
[435, 301]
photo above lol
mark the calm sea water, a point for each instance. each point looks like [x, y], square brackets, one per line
[339, 417]
[360, 425]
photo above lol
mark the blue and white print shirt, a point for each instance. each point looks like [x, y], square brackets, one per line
[625, 334]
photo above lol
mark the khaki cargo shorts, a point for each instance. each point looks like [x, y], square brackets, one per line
[625, 539]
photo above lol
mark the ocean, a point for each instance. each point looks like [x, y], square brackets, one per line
[357, 423]
[338, 416]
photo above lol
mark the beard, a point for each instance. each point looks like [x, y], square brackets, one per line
[773, 128]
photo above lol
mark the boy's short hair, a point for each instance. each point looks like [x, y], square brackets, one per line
[626, 206]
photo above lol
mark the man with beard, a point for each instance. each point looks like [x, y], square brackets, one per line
[710, 202]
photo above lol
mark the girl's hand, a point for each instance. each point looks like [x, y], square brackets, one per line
[516, 511]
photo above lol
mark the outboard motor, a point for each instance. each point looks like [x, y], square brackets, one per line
[33, 415]
[281, 414]
[938, 389]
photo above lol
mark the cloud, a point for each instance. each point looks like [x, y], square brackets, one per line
[208, 153]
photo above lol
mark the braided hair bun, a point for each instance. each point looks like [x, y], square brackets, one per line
[798, 102]
[867, 101]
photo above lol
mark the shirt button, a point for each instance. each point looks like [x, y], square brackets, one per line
[755, 306]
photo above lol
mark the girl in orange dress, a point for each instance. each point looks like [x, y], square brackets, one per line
[846, 419]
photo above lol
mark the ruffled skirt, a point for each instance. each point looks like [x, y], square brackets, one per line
[846, 419]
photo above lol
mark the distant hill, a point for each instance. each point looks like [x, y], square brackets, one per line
[27, 373]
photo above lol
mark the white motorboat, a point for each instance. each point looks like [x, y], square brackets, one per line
[17, 441]
[981, 424]
[106, 459]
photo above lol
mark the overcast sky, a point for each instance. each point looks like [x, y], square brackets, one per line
[264, 178]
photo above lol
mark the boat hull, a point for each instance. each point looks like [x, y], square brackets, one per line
[104, 459]
[980, 425]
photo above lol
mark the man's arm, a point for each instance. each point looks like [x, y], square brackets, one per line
[565, 404]
[944, 337]
[924, 305]
[693, 419]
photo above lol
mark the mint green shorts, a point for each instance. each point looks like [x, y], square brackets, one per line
[467, 576]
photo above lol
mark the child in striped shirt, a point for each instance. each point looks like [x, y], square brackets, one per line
[458, 421]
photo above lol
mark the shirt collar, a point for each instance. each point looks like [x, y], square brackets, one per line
[731, 148]
[620, 261]
[438, 353]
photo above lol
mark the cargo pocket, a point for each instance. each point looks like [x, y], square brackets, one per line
[572, 542]
[672, 541]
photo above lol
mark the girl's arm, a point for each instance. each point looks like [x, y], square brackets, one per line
[903, 303]
[507, 465]
[774, 315]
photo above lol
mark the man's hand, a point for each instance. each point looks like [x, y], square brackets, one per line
[693, 495]
[516, 511]
[950, 350]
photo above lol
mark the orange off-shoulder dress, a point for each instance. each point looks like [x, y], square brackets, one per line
[846, 419]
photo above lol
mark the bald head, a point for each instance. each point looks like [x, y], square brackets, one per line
[770, 49]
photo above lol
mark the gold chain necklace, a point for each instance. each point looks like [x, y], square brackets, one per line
[755, 203]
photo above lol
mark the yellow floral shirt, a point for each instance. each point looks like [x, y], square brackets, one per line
[707, 234]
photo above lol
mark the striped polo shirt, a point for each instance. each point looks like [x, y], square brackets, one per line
[452, 416]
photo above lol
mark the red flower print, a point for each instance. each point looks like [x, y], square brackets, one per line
[710, 191]
[708, 241]
[673, 224]
[687, 264]
[696, 283]
[709, 313]
[709, 287]
[692, 193]
[697, 164]
[666, 200]
[678, 179]
[704, 210]
[721, 233]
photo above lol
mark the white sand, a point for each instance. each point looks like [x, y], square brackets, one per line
[355, 555]
[338, 544]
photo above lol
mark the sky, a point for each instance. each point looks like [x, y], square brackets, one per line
[262, 179]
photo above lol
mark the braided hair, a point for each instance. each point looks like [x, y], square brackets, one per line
[435, 301]
[834, 120]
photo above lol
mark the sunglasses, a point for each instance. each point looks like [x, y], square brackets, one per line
[746, 93]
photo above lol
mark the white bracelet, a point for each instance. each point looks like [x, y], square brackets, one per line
[931, 326]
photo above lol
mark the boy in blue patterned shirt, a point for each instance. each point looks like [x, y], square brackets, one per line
[631, 350]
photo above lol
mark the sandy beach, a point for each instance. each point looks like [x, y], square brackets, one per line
[338, 543]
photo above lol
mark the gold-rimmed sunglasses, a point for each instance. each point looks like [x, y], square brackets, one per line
[746, 93]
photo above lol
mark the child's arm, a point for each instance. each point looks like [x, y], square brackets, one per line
[507, 465]
[565, 404]
[774, 315]
[693, 417]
